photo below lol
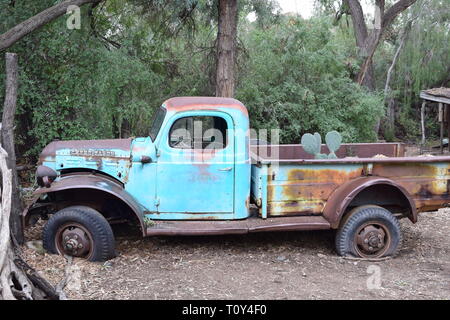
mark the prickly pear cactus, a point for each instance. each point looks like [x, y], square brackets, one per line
[312, 144]
[318, 141]
[333, 140]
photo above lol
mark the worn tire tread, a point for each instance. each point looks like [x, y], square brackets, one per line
[345, 233]
[97, 225]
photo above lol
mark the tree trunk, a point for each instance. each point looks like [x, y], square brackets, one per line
[226, 48]
[16, 33]
[367, 41]
[7, 139]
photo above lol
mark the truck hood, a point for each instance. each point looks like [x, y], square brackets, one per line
[111, 148]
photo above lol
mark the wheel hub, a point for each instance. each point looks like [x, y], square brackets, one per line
[371, 239]
[75, 242]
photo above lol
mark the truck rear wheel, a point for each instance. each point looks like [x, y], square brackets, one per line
[79, 231]
[369, 232]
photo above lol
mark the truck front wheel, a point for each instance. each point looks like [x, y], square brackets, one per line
[79, 231]
[368, 232]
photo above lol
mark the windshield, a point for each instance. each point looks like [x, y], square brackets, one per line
[158, 118]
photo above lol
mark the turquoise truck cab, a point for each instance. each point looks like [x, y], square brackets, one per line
[211, 162]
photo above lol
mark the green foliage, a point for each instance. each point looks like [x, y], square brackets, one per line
[297, 79]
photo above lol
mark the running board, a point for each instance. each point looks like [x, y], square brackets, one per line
[250, 225]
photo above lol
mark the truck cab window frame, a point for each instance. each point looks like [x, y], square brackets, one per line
[198, 133]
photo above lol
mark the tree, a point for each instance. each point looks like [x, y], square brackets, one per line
[174, 15]
[226, 48]
[367, 40]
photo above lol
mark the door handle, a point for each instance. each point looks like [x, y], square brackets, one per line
[226, 169]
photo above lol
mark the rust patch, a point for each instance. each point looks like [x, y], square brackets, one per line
[427, 183]
[300, 191]
[199, 155]
[403, 170]
[295, 208]
[305, 191]
[323, 175]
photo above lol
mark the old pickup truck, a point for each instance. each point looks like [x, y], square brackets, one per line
[198, 174]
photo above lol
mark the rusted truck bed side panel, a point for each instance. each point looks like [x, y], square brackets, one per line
[304, 189]
[293, 187]
[427, 183]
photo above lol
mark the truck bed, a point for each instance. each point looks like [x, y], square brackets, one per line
[286, 181]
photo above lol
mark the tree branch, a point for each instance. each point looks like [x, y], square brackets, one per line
[394, 11]
[16, 33]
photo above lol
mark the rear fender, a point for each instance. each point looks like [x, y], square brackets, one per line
[343, 196]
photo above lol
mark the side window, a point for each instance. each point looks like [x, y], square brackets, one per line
[199, 133]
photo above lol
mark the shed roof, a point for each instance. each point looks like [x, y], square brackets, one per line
[436, 94]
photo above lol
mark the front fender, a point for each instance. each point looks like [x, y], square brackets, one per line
[88, 181]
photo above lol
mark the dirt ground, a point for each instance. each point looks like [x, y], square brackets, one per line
[292, 265]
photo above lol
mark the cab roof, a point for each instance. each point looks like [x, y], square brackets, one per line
[194, 103]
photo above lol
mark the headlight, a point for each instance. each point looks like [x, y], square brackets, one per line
[45, 176]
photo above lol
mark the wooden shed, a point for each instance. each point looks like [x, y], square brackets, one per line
[441, 97]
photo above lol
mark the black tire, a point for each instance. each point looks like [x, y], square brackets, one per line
[97, 231]
[369, 232]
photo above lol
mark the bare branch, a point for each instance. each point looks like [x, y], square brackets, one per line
[16, 33]
[395, 10]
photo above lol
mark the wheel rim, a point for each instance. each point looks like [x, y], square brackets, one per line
[75, 240]
[372, 240]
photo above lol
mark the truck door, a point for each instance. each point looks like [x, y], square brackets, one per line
[195, 170]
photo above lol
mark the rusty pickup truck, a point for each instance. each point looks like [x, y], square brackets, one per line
[197, 173]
